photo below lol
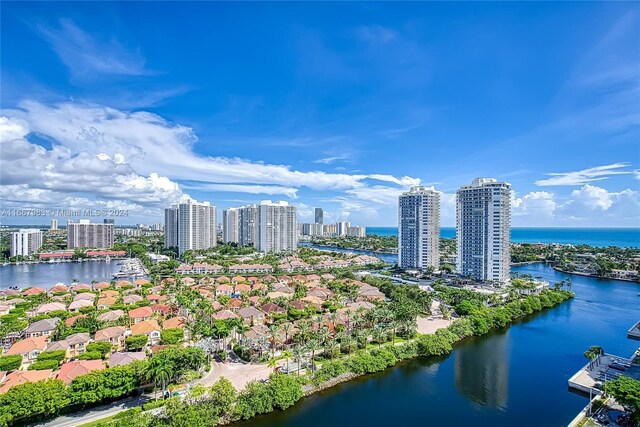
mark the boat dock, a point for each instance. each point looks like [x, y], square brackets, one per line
[634, 331]
[131, 267]
[591, 378]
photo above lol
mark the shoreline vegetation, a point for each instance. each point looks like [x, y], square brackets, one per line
[223, 404]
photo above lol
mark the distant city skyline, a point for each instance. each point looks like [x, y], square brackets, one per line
[339, 106]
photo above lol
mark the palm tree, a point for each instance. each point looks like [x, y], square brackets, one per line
[286, 328]
[298, 353]
[158, 370]
[287, 355]
[312, 345]
[273, 336]
[273, 362]
[378, 335]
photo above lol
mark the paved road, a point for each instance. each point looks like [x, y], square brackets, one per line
[96, 413]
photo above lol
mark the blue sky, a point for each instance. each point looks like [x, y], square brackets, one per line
[337, 105]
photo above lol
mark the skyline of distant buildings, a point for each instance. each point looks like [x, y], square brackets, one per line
[25, 242]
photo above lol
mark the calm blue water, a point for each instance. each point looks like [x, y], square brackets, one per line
[46, 275]
[514, 377]
[624, 237]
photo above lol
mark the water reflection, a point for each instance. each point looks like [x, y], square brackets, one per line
[47, 274]
[481, 371]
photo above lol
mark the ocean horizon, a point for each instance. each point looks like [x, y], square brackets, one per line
[594, 236]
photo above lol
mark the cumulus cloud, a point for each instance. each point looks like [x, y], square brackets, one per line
[245, 188]
[540, 204]
[584, 176]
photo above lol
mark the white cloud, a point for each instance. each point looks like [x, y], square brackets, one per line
[331, 160]
[85, 55]
[598, 198]
[584, 176]
[240, 188]
[538, 204]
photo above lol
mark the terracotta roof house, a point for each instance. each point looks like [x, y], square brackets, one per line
[155, 299]
[216, 305]
[131, 299]
[140, 314]
[235, 303]
[73, 319]
[188, 280]
[237, 279]
[328, 276]
[75, 306]
[114, 334]
[4, 309]
[315, 301]
[272, 308]
[283, 288]
[254, 300]
[110, 293]
[121, 283]
[251, 315]
[161, 309]
[224, 290]
[58, 288]
[111, 316]
[72, 370]
[353, 306]
[124, 358]
[49, 307]
[184, 269]
[223, 279]
[106, 302]
[81, 287]
[311, 277]
[140, 282]
[322, 293]
[102, 285]
[252, 280]
[22, 377]
[241, 287]
[224, 314]
[285, 279]
[44, 327]
[34, 291]
[269, 279]
[149, 328]
[278, 294]
[259, 287]
[370, 294]
[299, 278]
[28, 348]
[174, 323]
[59, 345]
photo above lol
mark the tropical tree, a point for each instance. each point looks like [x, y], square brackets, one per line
[158, 370]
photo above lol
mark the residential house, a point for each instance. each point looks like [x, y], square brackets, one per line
[28, 348]
[124, 358]
[75, 306]
[156, 299]
[131, 299]
[58, 288]
[106, 302]
[16, 378]
[77, 343]
[251, 315]
[33, 291]
[44, 327]
[224, 290]
[150, 328]
[271, 308]
[48, 308]
[72, 370]
[114, 334]
[224, 315]
[73, 319]
[111, 316]
[140, 314]
[163, 310]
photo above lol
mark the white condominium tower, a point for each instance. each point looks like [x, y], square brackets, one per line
[419, 228]
[54, 224]
[190, 226]
[277, 227]
[483, 228]
[85, 234]
[230, 225]
[240, 225]
[25, 242]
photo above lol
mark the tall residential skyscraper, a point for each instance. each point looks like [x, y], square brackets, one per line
[342, 228]
[171, 227]
[230, 225]
[25, 242]
[277, 227]
[240, 225]
[319, 216]
[483, 228]
[248, 225]
[196, 226]
[85, 234]
[419, 228]
[54, 224]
